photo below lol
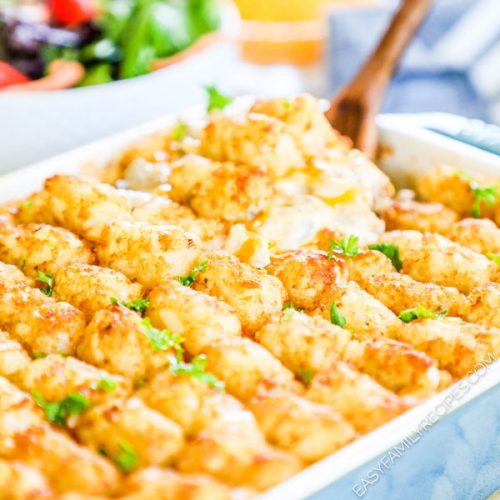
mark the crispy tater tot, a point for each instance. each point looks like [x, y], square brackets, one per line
[18, 413]
[190, 402]
[13, 358]
[199, 318]
[90, 288]
[39, 247]
[11, 276]
[451, 342]
[484, 305]
[452, 188]
[39, 323]
[21, 482]
[309, 431]
[146, 253]
[56, 377]
[244, 366]
[230, 192]
[425, 217]
[154, 483]
[396, 365]
[153, 438]
[366, 264]
[480, 235]
[234, 451]
[356, 396]
[302, 342]
[305, 122]
[257, 140]
[432, 258]
[254, 295]
[364, 315]
[67, 466]
[307, 275]
[117, 340]
[399, 292]
[80, 204]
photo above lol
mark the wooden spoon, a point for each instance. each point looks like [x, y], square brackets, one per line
[352, 111]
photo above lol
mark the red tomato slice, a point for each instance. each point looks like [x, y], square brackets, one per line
[72, 12]
[10, 75]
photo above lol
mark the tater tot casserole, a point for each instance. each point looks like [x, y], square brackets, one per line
[230, 302]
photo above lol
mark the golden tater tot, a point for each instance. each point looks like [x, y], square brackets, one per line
[190, 402]
[302, 342]
[307, 430]
[453, 188]
[56, 377]
[230, 192]
[307, 275]
[258, 140]
[364, 315]
[151, 438]
[39, 247]
[21, 482]
[431, 258]
[480, 235]
[146, 253]
[199, 318]
[39, 323]
[396, 365]
[254, 295]
[424, 217]
[484, 305]
[234, 451]
[305, 122]
[399, 292]
[80, 204]
[244, 365]
[356, 396]
[90, 288]
[67, 466]
[118, 341]
[154, 483]
[13, 358]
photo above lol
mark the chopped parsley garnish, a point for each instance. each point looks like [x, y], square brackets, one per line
[488, 195]
[48, 279]
[140, 383]
[138, 305]
[336, 317]
[495, 257]
[127, 460]
[390, 251]
[288, 309]
[216, 100]
[58, 412]
[420, 312]
[26, 204]
[106, 384]
[196, 369]
[39, 355]
[161, 340]
[191, 277]
[179, 131]
[346, 246]
[23, 264]
[305, 375]
[286, 103]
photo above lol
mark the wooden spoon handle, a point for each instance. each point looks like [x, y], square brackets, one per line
[379, 68]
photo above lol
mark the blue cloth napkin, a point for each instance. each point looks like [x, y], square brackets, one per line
[452, 65]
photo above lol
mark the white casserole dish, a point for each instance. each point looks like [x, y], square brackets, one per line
[407, 151]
